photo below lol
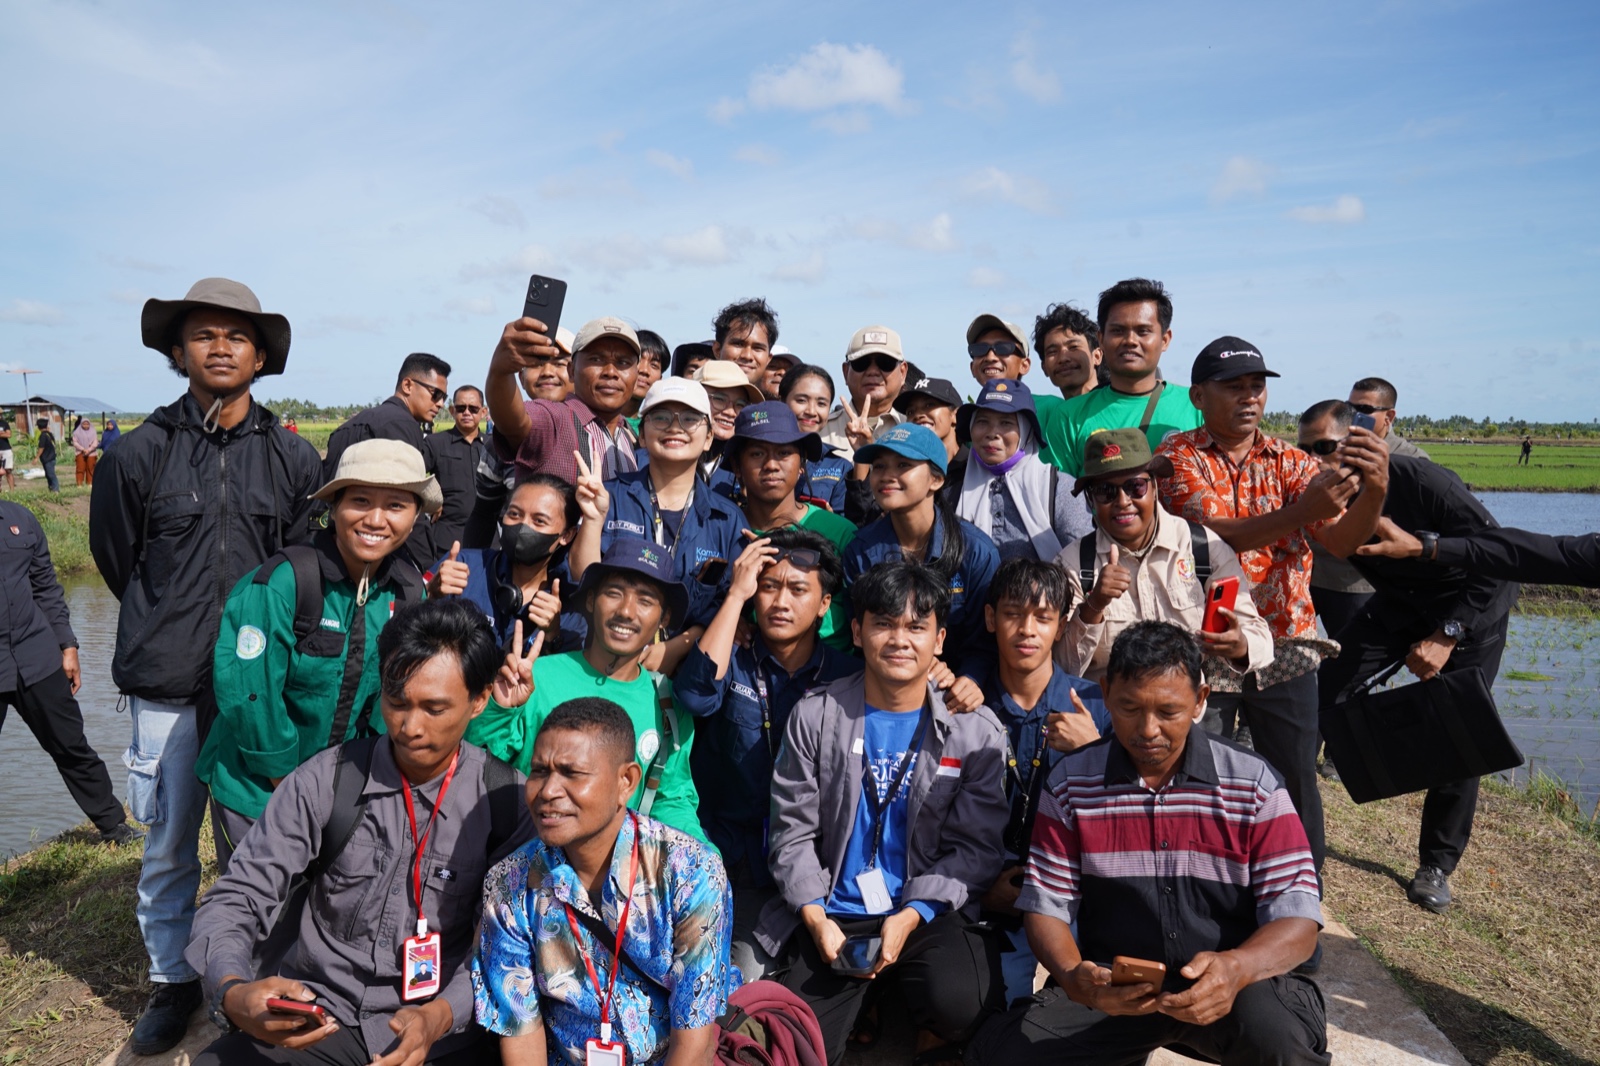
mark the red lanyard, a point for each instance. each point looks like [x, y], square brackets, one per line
[616, 952]
[422, 843]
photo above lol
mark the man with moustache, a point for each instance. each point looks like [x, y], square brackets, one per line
[743, 334]
[550, 377]
[202, 492]
[874, 373]
[455, 456]
[1068, 343]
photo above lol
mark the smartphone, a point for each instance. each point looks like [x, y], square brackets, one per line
[544, 302]
[1224, 592]
[858, 955]
[711, 571]
[1128, 971]
[1365, 421]
[294, 1006]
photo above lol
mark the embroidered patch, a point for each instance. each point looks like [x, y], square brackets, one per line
[251, 643]
[649, 744]
[948, 768]
[333, 624]
[1185, 566]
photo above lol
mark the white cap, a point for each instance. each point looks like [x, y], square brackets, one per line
[691, 394]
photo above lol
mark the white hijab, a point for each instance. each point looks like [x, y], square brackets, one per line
[1029, 483]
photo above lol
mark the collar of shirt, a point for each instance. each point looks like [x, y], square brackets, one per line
[387, 780]
[879, 539]
[332, 563]
[1197, 763]
[1262, 445]
[1172, 534]
[561, 880]
[774, 668]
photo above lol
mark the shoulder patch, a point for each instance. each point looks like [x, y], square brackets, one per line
[251, 643]
[649, 744]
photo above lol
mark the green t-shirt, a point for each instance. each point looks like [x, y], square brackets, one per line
[509, 732]
[1045, 405]
[1073, 420]
[838, 531]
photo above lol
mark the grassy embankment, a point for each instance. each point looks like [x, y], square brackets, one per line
[1493, 467]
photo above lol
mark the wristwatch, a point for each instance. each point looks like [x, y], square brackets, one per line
[1454, 630]
[1430, 545]
[219, 1017]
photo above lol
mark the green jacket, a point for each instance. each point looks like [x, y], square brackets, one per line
[509, 732]
[276, 700]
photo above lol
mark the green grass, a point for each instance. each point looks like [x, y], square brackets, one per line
[1493, 467]
[64, 518]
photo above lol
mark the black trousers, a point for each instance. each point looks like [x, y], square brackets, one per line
[948, 973]
[1283, 729]
[345, 1047]
[1281, 1020]
[1373, 641]
[52, 712]
[1337, 609]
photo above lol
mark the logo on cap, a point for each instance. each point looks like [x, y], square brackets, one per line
[1111, 451]
[1246, 351]
[874, 336]
[612, 329]
[759, 417]
[1000, 388]
[650, 557]
[899, 435]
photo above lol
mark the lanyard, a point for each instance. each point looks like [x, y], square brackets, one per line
[1025, 784]
[421, 843]
[660, 524]
[880, 808]
[766, 718]
[616, 952]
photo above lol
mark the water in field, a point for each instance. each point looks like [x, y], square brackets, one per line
[1561, 514]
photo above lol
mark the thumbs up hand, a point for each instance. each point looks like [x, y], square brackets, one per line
[1113, 580]
[451, 578]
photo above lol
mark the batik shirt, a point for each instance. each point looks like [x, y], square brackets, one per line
[530, 972]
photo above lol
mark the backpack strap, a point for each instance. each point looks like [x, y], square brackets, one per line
[505, 802]
[658, 761]
[1150, 406]
[307, 586]
[351, 770]
[1086, 545]
[1202, 553]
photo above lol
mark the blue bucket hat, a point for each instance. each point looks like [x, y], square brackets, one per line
[910, 440]
[635, 555]
[1000, 394]
[773, 422]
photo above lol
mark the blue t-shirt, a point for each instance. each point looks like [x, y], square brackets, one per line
[888, 740]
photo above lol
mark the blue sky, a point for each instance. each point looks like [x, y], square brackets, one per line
[1408, 189]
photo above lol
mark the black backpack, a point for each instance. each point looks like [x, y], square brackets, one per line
[1198, 545]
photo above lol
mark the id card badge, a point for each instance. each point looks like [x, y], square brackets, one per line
[599, 1053]
[419, 969]
[874, 892]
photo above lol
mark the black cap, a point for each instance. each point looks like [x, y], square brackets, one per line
[935, 388]
[1227, 358]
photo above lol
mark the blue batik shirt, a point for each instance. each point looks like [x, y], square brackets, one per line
[529, 972]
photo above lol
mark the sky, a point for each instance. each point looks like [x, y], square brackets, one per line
[1395, 188]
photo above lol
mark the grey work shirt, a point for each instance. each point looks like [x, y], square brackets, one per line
[358, 914]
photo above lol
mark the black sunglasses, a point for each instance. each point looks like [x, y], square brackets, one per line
[439, 395]
[468, 408]
[800, 558]
[1370, 409]
[882, 360]
[1137, 488]
[1321, 447]
[979, 349]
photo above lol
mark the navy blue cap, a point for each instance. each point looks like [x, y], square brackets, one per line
[774, 422]
[1227, 358]
[638, 556]
[910, 440]
[938, 389]
[1000, 394]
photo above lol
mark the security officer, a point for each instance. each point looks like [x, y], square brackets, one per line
[39, 672]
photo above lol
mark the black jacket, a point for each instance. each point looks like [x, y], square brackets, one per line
[176, 517]
[34, 624]
[1518, 555]
[455, 460]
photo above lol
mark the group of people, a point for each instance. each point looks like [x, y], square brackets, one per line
[88, 444]
[664, 672]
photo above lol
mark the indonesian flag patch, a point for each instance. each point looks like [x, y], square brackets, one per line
[949, 768]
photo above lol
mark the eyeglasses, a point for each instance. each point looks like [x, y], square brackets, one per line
[688, 421]
[1137, 488]
[723, 401]
[885, 362]
[1370, 409]
[1321, 447]
[439, 395]
[1003, 349]
[467, 409]
[799, 558]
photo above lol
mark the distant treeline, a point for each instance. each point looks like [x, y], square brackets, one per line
[1422, 427]
[306, 411]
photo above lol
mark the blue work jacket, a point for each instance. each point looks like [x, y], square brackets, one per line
[488, 571]
[826, 480]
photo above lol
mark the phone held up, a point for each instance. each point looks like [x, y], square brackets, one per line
[546, 296]
[1224, 594]
[1365, 421]
[1130, 971]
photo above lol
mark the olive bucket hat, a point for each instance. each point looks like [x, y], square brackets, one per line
[158, 325]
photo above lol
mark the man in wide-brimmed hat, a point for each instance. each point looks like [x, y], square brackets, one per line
[203, 491]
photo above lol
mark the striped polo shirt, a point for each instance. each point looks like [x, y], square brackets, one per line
[1163, 874]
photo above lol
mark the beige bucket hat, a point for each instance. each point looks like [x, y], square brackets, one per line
[390, 464]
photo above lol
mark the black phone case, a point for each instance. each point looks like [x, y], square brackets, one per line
[545, 299]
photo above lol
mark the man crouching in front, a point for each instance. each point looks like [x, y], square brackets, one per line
[1182, 859]
[605, 941]
[375, 853]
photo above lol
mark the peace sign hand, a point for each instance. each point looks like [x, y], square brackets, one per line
[593, 499]
[514, 683]
[858, 429]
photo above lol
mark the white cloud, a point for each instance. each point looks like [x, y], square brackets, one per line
[983, 277]
[935, 236]
[1041, 84]
[616, 254]
[530, 259]
[83, 35]
[128, 262]
[32, 313]
[707, 246]
[134, 297]
[726, 109]
[500, 210]
[471, 305]
[1241, 176]
[830, 76]
[1030, 194]
[808, 271]
[758, 154]
[1344, 211]
[326, 324]
[670, 163]
[844, 123]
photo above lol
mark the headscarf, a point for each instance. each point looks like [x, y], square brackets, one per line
[1027, 478]
[110, 435]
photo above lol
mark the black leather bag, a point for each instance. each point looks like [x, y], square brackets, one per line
[1417, 736]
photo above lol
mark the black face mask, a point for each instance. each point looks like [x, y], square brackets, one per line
[526, 545]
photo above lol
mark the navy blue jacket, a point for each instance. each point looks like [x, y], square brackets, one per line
[710, 532]
[34, 625]
[967, 643]
[826, 480]
[733, 753]
[488, 570]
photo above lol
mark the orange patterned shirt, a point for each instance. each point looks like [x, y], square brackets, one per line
[1207, 484]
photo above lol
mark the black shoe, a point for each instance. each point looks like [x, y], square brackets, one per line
[122, 834]
[1313, 964]
[1327, 770]
[1243, 738]
[166, 1018]
[1430, 889]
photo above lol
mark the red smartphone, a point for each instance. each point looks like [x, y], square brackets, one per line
[294, 1006]
[1223, 594]
[1131, 971]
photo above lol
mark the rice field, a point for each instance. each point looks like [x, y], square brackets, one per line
[1553, 467]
